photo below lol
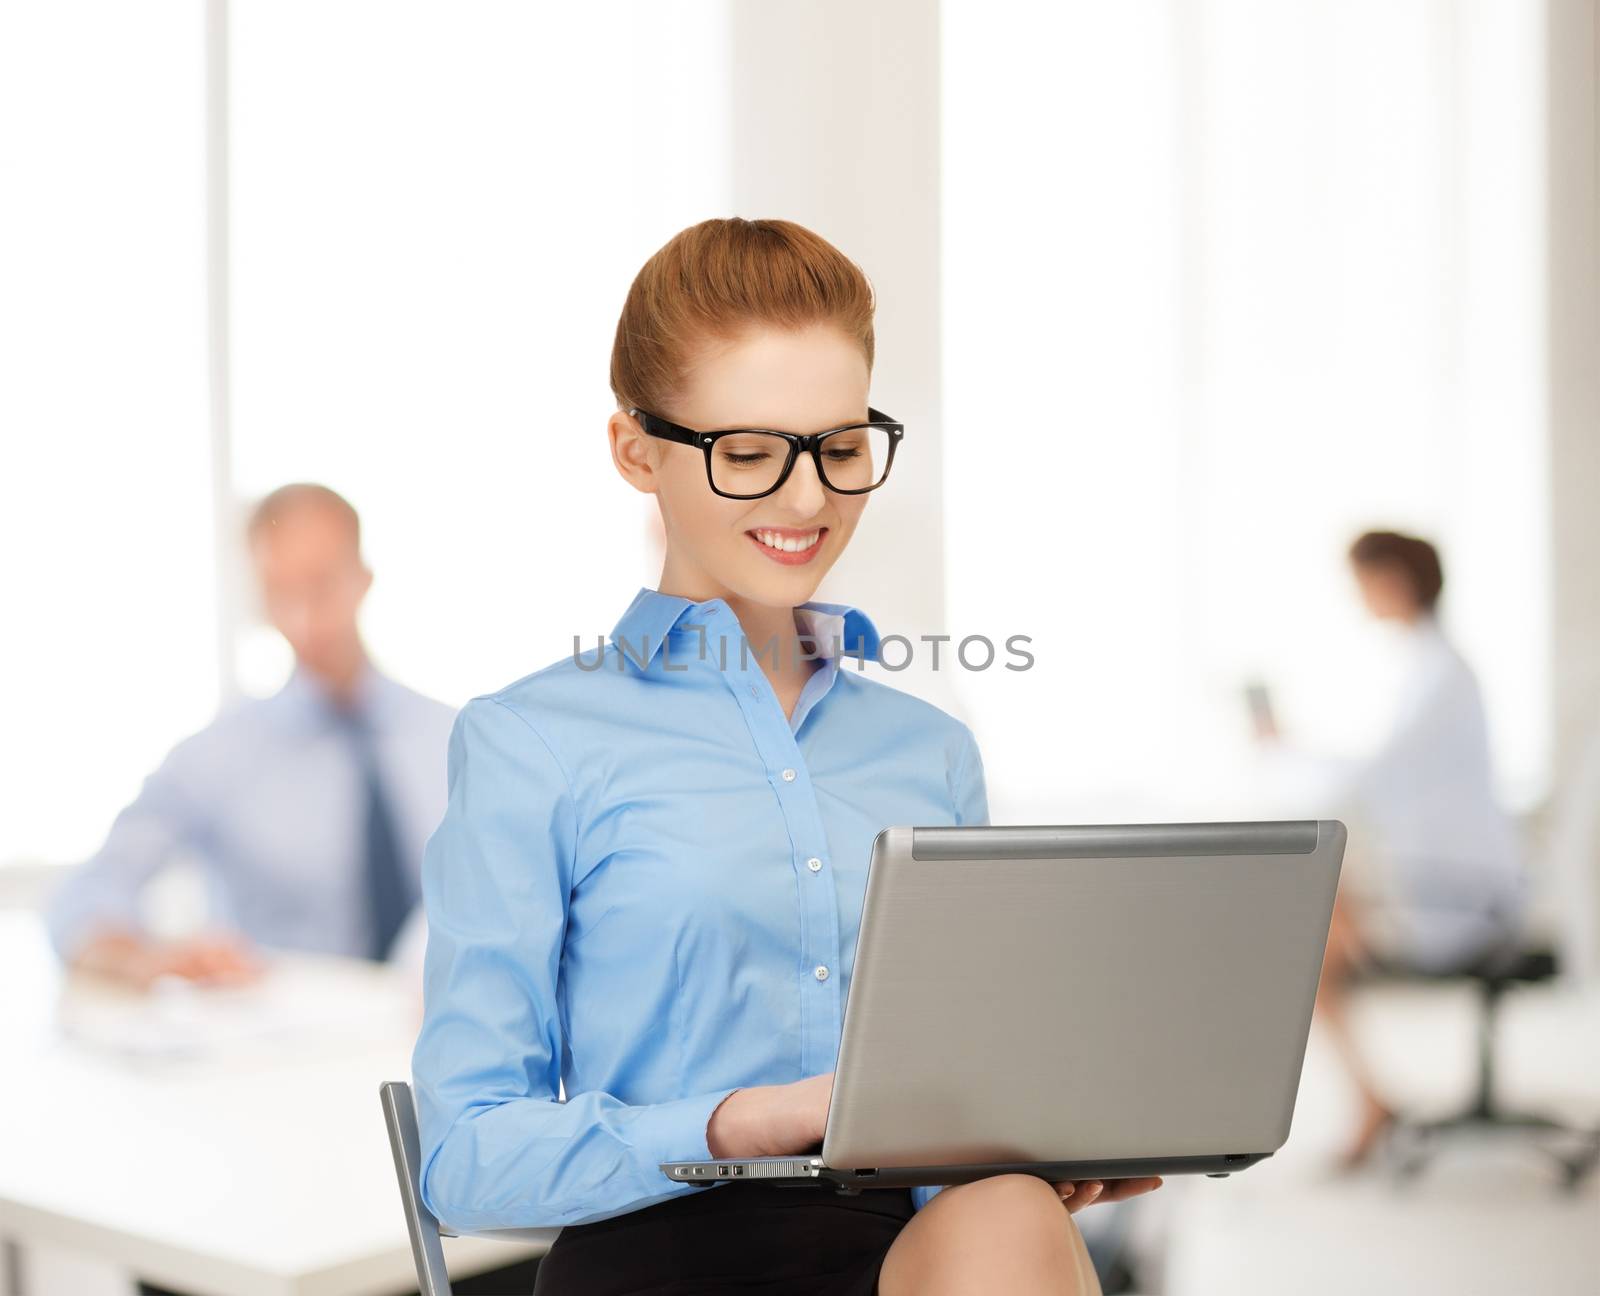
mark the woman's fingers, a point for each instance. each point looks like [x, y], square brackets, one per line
[1075, 1195]
[1122, 1189]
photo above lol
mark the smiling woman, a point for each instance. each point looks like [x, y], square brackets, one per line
[647, 885]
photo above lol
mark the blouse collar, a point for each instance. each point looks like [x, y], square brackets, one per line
[653, 615]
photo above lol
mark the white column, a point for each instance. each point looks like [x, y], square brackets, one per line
[835, 120]
[225, 519]
[1573, 62]
[1574, 138]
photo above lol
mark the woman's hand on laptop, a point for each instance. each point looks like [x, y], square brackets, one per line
[771, 1120]
[786, 1119]
[1076, 1194]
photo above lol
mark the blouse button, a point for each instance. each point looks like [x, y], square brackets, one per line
[788, 776]
[815, 865]
[821, 973]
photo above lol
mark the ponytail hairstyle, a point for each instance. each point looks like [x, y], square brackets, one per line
[1414, 558]
[712, 281]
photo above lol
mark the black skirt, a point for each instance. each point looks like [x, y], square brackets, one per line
[779, 1241]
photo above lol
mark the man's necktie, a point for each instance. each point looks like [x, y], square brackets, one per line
[389, 892]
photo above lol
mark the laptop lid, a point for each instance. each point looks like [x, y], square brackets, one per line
[1073, 993]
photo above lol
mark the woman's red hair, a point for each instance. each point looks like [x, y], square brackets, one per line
[712, 281]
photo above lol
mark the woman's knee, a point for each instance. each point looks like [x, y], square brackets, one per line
[1014, 1194]
[1007, 1229]
[1010, 1211]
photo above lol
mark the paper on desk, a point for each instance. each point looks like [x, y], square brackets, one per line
[290, 1006]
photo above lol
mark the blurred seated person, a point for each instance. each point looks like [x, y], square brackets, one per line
[308, 810]
[1446, 854]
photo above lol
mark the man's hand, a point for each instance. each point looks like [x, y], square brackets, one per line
[1075, 1195]
[219, 959]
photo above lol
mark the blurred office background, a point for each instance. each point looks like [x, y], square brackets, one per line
[1176, 298]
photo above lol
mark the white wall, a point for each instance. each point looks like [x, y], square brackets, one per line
[106, 596]
[437, 213]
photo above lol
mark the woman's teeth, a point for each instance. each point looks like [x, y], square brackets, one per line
[788, 544]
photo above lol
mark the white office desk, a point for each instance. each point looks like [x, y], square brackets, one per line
[208, 1142]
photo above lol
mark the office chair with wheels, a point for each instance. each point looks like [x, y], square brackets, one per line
[1575, 1150]
[433, 1278]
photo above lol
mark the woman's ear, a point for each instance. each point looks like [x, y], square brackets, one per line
[632, 452]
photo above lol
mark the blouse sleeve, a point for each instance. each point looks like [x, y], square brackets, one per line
[500, 1149]
[971, 793]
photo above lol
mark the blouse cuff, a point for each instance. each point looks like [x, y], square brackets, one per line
[676, 1130]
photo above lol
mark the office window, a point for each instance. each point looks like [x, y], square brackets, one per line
[437, 210]
[109, 648]
[1226, 284]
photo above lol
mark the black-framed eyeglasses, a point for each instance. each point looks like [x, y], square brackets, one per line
[747, 463]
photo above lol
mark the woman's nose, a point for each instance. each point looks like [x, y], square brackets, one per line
[803, 494]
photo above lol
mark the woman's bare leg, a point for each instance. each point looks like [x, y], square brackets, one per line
[1008, 1234]
[1333, 1003]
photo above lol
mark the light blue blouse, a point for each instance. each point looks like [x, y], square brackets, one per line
[645, 892]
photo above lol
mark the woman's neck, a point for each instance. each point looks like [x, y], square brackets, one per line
[772, 634]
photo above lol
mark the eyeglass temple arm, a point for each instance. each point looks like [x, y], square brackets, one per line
[659, 427]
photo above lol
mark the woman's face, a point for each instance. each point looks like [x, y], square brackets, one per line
[1385, 592]
[772, 551]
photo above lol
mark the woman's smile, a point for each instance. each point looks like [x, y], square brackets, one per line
[792, 546]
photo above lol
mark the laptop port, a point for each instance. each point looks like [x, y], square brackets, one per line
[722, 1172]
[737, 1171]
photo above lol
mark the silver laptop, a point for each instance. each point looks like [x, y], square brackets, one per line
[1081, 1002]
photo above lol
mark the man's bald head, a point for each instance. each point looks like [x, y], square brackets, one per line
[305, 541]
[282, 505]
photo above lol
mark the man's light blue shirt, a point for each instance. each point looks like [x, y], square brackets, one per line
[269, 798]
[645, 891]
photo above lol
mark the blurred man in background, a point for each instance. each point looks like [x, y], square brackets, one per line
[308, 810]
